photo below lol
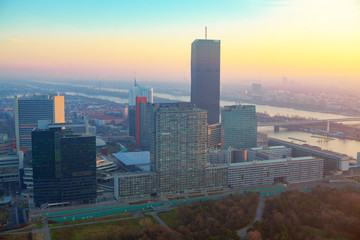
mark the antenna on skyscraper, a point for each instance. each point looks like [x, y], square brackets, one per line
[205, 32]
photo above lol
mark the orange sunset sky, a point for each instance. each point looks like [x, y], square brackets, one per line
[261, 40]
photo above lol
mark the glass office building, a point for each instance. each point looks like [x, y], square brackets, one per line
[240, 126]
[64, 166]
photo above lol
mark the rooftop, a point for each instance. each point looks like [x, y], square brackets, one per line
[206, 40]
[267, 148]
[239, 106]
[100, 142]
[263, 162]
[133, 158]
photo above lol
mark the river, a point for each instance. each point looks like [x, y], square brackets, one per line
[345, 146]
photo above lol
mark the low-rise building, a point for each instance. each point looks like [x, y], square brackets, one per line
[216, 176]
[268, 172]
[268, 153]
[333, 161]
[218, 156]
[134, 184]
[104, 164]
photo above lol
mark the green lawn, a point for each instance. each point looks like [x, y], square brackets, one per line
[32, 226]
[169, 217]
[107, 217]
[99, 230]
[33, 236]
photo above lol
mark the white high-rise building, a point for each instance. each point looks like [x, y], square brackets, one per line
[139, 91]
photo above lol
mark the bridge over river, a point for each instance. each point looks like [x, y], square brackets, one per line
[303, 122]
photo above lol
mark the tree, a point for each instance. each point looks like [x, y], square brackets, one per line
[253, 235]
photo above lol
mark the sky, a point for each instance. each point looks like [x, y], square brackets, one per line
[263, 41]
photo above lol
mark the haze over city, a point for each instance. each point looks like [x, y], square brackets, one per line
[262, 40]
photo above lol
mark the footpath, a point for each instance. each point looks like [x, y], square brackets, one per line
[258, 217]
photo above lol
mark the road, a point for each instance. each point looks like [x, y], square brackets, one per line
[45, 229]
[260, 210]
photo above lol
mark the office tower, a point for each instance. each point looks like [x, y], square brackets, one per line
[178, 134]
[139, 100]
[64, 166]
[240, 126]
[28, 111]
[205, 77]
[137, 91]
[214, 138]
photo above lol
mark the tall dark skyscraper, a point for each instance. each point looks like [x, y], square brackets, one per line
[205, 77]
[64, 166]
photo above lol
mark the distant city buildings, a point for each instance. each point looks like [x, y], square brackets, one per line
[256, 88]
[64, 166]
[205, 77]
[139, 91]
[29, 110]
[240, 126]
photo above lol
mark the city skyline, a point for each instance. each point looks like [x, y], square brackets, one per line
[273, 119]
[262, 40]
